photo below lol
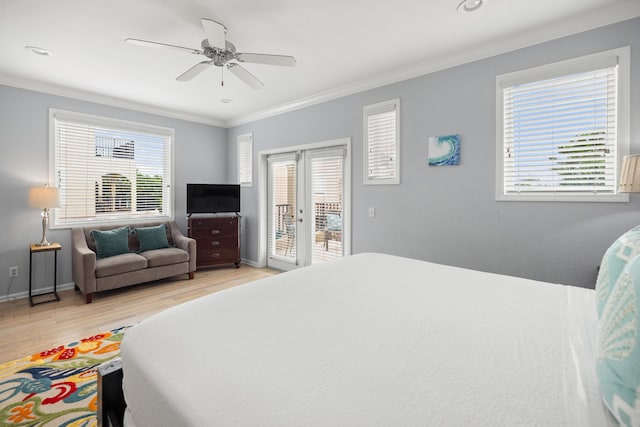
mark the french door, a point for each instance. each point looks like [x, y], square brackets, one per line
[307, 217]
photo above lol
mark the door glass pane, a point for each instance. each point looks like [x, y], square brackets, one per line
[327, 208]
[283, 206]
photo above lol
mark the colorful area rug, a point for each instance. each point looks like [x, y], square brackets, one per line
[57, 387]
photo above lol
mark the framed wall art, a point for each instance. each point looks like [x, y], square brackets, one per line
[444, 150]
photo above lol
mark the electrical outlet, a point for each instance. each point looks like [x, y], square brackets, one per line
[13, 271]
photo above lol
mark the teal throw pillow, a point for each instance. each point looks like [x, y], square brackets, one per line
[151, 238]
[618, 347]
[623, 250]
[111, 242]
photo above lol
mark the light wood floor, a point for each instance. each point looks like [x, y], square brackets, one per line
[25, 330]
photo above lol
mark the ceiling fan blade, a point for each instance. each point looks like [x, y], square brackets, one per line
[263, 58]
[193, 71]
[156, 44]
[245, 76]
[215, 32]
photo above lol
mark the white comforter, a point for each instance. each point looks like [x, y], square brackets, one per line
[369, 340]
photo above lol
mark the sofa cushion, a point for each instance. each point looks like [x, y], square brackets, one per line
[111, 242]
[167, 256]
[151, 238]
[119, 264]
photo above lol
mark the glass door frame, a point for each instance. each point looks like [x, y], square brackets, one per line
[263, 202]
[297, 216]
[310, 207]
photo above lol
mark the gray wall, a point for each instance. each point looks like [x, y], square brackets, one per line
[200, 156]
[446, 214]
[449, 214]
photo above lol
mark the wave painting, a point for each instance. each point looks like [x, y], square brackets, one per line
[444, 150]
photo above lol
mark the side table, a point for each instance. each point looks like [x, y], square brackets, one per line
[55, 247]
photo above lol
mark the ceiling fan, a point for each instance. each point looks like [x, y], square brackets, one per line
[222, 53]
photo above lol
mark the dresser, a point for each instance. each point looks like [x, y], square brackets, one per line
[217, 239]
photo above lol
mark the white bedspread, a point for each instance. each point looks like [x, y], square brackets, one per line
[369, 340]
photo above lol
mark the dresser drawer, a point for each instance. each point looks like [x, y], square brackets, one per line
[222, 223]
[213, 232]
[217, 243]
[221, 256]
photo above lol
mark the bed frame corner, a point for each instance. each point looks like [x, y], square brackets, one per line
[111, 403]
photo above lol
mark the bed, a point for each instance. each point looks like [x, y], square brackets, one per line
[366, 340]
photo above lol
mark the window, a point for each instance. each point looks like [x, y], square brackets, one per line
[382, 143]
[245, 160]
[110, 170]
[562, 129]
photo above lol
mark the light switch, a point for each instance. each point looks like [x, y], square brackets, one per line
[372, 212]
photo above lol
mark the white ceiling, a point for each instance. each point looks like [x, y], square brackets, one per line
[342, 46]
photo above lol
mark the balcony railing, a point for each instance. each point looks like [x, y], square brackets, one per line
[321, 210]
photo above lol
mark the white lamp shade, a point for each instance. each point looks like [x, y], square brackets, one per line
[630, 175]
[44, 197]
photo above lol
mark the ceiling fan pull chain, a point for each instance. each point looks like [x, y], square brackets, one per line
[222, 76]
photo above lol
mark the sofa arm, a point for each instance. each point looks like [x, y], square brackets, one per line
[186, 244]
[83, 262]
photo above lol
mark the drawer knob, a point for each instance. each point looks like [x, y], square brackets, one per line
[215, 255]
[215, 231]
[215, 243]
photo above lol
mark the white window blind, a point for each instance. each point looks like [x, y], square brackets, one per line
[283, 225]
[245, 160]
[560, 135]
[327, 190]
[382, 143]
[110, 170]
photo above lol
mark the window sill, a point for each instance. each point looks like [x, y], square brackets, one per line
[606, 198]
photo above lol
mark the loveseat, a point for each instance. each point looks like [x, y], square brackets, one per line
[111, 257]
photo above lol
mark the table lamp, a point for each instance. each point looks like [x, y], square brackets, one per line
[44, 198]
[630, 175]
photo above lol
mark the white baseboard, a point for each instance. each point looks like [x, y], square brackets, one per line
[25, 294]
[249, 262]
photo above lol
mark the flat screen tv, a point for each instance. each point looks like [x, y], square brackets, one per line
[213, 198]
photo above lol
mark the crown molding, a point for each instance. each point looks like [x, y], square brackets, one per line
[560, 28]
[21, 83]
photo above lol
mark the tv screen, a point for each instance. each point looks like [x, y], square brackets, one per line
[213, 198]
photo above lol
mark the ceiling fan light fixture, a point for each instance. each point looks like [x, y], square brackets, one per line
[38, 50]
[467, 6]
